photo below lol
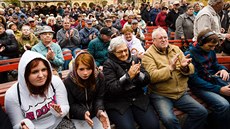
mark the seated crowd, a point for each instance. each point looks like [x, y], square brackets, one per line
[112, 79]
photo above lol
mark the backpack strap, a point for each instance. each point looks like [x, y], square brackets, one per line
[54, 90]
[19, 97]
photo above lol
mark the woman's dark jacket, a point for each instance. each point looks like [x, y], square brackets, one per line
[121, 91]
[10, 44]
[78, 101]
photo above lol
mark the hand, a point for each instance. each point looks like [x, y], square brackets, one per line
[225, 90]
[222, 30]
[27, 47]
[2, 49]
[50, 54]
[104, 120]
[71, 33]
[57, 108]
[90, 37]
[172, 62]
[134, 69]
[100, 68]
[140, 55]
[94, 36]
[182, 37]
[88, 119]
[223, 74]
[138, 35]
[186, 61]
[67, 35]
[23, 126]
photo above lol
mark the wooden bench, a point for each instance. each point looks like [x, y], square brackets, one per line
[151, 28]
[9, 64]
[178, 43]
[12, 64]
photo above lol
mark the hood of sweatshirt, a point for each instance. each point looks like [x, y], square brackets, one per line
[26, 58]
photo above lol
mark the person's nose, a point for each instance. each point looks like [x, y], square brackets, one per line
[40, 74]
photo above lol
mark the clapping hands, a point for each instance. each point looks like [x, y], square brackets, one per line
[134, 69]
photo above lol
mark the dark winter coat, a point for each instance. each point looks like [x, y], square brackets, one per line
[121, 91]
[10, 44]
[82, 100]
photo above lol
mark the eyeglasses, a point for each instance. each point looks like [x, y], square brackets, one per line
[122, 51]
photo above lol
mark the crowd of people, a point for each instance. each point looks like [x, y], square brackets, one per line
[112, 77]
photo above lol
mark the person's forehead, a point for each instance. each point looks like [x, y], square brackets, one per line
[25, 27]
[161, 34]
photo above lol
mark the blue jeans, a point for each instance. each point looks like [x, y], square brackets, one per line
[145, 119]
[197, 114]
[219, 105]
[169, 32]
[73, 52]
[4, 57]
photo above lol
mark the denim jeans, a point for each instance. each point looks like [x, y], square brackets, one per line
[145, 119]
[73, 52]
[219, 106]
[4, 57]
[197, 114]
[169, 32]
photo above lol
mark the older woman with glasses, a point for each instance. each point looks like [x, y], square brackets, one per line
[125, 101]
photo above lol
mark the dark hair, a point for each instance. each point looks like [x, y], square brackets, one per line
[206, 36]
[164, 8]
[34, 89]
[88, 60]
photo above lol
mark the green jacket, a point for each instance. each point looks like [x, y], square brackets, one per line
[163, 81]
[31, 40]
[99, 49]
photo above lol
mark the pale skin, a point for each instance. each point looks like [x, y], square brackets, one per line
[102, 117]
[134, 69]
[225, 76]
[183, 63]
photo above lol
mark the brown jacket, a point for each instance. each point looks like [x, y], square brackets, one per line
[163, 82]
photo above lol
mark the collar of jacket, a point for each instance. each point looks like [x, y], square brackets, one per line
[168, 49]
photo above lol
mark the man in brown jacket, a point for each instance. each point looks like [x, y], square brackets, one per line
[169, 69]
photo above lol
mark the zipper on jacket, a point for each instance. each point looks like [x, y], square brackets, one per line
[86, 97]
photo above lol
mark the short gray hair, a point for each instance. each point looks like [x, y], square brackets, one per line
[115, 42]
[213, 2]
[156, 31]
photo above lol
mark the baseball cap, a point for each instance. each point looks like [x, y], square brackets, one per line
[106, 31]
